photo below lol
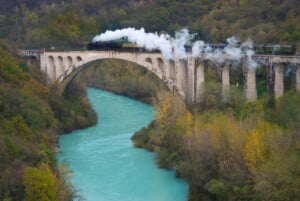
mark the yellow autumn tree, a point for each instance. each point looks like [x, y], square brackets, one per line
[169, 108]
[40, 184]
[225, 132]
[255, 152]
[185, 123]
[164, 105]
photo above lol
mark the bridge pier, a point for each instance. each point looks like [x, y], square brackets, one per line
[297, 78]
[191, 65]
[270, 79]
[167, 70]
[225, 81]
[199, 80]
[181, 77]
[43, 64]
[172, 73]
[250, 82]
[278, 80]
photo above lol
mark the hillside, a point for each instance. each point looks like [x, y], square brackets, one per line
[72, 23]
[233, 150]
[31, 117]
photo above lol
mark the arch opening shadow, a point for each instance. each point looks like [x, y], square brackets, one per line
[149, 60]
[52, 68]
[69, 62]
[172, 70]
[161, 68]
[60, 67]
[78, 59]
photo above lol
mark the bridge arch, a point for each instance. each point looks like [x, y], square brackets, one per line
[68, 76]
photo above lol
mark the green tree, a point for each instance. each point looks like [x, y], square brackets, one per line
[40, 184]
[16, 126]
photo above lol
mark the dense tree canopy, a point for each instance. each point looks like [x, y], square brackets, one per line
[31, 116]
[72, 23]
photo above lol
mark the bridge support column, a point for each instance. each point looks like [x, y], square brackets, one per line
[43, 63]
[167, 70]
[225, 81]
[46, 69]
[270, 79]
[297, 78]
[181, 77]
[200, 80]
[250, 82]
[278, 80]
[191, 64]
[172, 74]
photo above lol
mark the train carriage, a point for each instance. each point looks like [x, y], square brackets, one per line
[124, 45]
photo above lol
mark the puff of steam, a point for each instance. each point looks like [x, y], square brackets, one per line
[149, 41]
[174, 48]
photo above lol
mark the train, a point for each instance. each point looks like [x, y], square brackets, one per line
[118, 45]
[276, 49]
[124, 45]
[273, 49]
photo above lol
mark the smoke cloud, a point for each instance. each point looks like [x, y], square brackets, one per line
[174, 48]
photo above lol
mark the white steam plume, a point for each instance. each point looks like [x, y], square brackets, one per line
[174, 48]
[149, 41]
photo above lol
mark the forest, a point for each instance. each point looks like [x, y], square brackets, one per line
[233, 150]
[31, 117]
[242, 151]
[72, 23]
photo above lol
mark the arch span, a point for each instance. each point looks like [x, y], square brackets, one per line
[68, 76]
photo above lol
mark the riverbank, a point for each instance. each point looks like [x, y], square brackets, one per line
[31, 118]
[229, 153]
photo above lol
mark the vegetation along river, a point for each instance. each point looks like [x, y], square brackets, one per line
[106, 166]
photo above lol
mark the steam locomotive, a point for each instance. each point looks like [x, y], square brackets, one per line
[124, 45]
[120, 45]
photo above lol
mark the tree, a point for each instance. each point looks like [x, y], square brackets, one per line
[40, 184]
[255, 151]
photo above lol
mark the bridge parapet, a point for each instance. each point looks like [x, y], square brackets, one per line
[30, 53]
[291, 59]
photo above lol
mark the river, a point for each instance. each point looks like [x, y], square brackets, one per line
[105, 165]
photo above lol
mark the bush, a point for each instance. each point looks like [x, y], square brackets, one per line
[40, 184]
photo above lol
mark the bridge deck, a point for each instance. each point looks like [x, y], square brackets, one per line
[293, 59]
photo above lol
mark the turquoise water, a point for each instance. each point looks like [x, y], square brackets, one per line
[106, 166]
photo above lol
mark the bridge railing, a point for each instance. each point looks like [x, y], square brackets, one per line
[30, 53]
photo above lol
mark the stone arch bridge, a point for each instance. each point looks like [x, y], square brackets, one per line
[186, 76]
